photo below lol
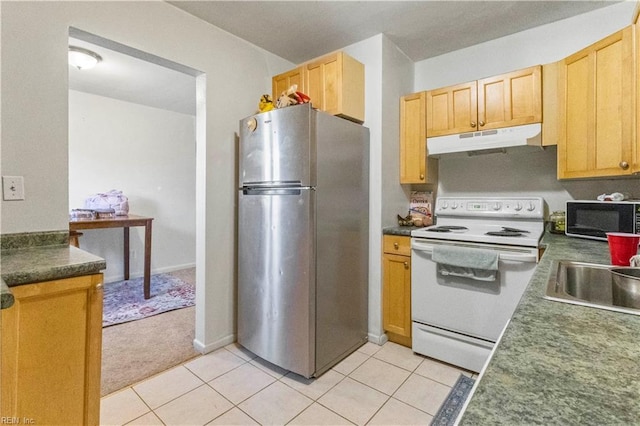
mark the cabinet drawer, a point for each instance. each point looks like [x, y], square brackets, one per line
[395, 244]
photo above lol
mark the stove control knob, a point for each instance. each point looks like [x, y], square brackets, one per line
[454, 205]
[496, 206]
[518, 207]
[531, 207]
[444, 205]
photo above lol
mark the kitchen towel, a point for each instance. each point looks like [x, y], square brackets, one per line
[477, 264]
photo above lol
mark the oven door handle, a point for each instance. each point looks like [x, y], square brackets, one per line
[518, 257]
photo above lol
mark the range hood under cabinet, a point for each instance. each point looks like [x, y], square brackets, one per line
[487, 115]
[487, 141]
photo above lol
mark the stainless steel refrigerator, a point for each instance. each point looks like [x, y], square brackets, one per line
[303, 231]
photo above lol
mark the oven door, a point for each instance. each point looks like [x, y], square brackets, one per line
[478, 309]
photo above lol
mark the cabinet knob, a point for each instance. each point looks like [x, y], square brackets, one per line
[99, 287]
[624, 165]
[481, 123]
[473, 124]
[396, 246]
[406, 265]
[421, 176]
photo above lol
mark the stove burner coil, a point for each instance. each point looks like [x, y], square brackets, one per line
[447, 228]
[505, 233]
[505, 228]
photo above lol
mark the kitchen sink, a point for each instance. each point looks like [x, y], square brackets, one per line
[593, 285]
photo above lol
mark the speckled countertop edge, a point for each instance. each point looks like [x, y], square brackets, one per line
[6, 298]
[399, 230]
[41, 256]
[559, 363]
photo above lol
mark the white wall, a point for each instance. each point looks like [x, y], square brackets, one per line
[369, 53]
[34, 123]
[397, 81]
[520, 174]
[388, 75]
[539, 45]
[149, 154]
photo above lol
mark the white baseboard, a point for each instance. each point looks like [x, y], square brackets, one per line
[132, 275]
[378, 339]
[210, 347]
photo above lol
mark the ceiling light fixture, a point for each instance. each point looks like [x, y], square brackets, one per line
[83, 59]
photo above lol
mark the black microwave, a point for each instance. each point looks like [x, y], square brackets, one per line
[593, 219]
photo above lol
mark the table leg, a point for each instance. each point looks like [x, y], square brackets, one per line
[147, 259]
[126, 253]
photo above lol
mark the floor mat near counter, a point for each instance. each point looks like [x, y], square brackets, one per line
[124, 300]
[451, 407]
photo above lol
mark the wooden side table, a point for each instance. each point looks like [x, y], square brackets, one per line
[124, 222]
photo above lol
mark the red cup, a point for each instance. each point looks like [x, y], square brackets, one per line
[622, 247]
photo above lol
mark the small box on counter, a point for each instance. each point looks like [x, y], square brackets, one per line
[420, 207]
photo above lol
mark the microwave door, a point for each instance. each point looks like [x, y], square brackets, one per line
[587, 231]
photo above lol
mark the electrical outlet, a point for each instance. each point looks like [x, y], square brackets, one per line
[12, 188]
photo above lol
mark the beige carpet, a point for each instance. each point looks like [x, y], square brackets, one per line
[136, 350]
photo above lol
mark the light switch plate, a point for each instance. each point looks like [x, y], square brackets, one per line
[12, 188]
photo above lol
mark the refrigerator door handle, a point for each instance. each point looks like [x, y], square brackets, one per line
[272, 191]
[274, 184]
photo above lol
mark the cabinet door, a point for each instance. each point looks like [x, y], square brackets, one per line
[511, 99]
[335, 84]
[596, 132]
[51, 352]
[452, 110]
[321, 79]
[397, 295]
[413, 144]
[280, 83]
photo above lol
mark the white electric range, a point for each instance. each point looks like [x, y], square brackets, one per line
[457, 318]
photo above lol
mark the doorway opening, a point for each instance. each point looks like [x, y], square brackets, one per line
[132, 127]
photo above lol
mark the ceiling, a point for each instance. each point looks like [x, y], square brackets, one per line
[302, 30]
[128, 78]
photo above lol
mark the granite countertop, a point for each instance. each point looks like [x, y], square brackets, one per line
[559, 363]
[399, 230]
[31, 258]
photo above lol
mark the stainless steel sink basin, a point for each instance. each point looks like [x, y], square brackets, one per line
[593, 285]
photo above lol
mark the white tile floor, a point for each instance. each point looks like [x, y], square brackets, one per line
[376, 385]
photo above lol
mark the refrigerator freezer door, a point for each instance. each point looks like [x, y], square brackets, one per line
[275, 148]
[276, 276]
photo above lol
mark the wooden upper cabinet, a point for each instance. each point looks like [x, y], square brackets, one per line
[281, 82]
[415, 166]
[511, 99]
[636, 145]
[452, 109]
[550, 103]
[505, 100]
[335, 84]
[597, 108]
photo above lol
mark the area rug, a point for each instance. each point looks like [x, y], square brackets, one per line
[451, 406]
[124, 300]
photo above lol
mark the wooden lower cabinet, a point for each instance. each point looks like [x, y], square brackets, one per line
[396, 297]
[51, 352]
